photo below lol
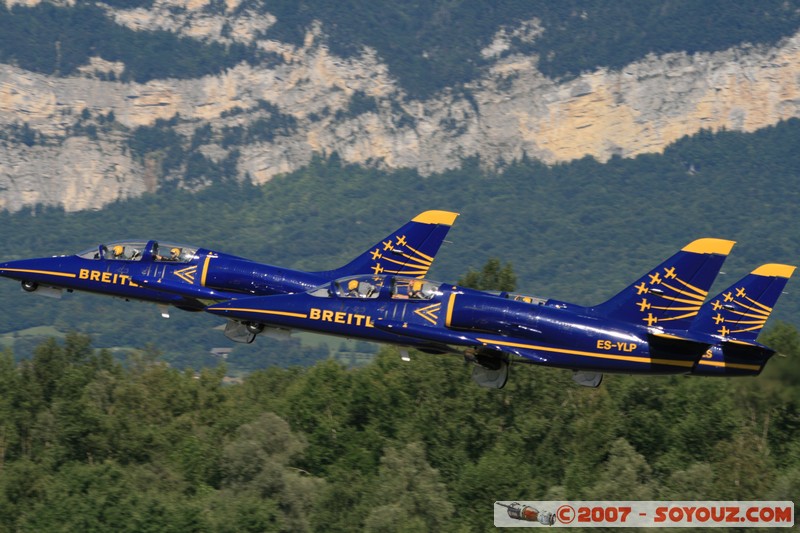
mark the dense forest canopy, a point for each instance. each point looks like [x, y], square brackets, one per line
[92, 444]
[428, 46]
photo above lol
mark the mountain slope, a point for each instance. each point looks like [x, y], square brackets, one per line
[255, 96]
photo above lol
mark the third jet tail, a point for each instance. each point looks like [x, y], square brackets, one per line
[740, 311]
[735, 317]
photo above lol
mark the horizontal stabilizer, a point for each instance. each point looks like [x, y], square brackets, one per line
[669, 348]
[733, 359]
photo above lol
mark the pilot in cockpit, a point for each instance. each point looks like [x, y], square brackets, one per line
[359, 289]
[415, 289]
[352, 288]
[118, 252]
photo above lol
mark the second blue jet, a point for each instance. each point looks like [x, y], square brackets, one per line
[657, 325]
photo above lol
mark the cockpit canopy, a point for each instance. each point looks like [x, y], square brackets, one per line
[371, 286]
[136, 250]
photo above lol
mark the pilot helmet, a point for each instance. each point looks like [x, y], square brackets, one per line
[352, 285]
[175, 252]
[118, 249]
[416, 285]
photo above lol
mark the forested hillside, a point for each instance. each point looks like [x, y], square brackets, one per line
[428, 46]
[89, 444]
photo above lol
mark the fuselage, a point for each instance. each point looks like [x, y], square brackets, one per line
[190, 277]
[448, 318]
[146, 271]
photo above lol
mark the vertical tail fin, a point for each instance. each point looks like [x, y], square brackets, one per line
[407, 251]
[671, 295]
[740, 311]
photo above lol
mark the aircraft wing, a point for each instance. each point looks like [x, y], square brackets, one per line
[451, 340]
[425, 333]
[197, 292]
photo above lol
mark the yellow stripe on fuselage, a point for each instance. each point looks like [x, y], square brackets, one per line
[449, 315]
[205, 271]
[267, 312]
[723, 364]
[629, 358]
[46, 272]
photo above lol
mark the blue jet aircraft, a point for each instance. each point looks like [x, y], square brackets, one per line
[657, 325]
[190, 278]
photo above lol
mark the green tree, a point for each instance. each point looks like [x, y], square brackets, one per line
[493, 276]
[407, 495]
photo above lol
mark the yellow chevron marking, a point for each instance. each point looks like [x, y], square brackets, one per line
[430, 313]
[187, 274]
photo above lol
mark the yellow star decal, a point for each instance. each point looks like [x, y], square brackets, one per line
[740, 292]
[376, 254]
[401, 240]
[642, 288]
[655, 279]
[387, 245]
[669, 272]
[716, 306]
[719, 319]
[643, 305]
[377, 269]
[728, 297]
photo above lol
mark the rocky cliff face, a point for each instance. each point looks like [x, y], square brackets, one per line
[48, 156]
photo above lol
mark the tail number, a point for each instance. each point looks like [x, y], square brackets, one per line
[608, 345]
